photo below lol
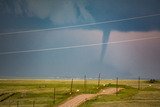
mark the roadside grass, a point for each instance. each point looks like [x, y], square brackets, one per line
[147, 96]
[125, 94]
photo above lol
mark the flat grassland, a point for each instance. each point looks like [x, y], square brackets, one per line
[41, 93]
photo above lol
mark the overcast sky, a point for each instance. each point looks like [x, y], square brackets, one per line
[131, 59]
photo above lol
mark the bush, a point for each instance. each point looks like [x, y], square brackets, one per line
[152, 81]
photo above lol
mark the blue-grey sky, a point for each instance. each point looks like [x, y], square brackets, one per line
[126, 60]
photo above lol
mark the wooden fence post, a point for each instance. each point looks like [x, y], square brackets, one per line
[33, 103]
[54, 96]
[99, 79]
[85, 83]
[117, 86]
[17, 103]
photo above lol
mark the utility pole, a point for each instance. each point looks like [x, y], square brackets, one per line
[139, 79]
[71, 86]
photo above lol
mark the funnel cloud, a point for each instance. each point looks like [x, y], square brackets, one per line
[104, 46]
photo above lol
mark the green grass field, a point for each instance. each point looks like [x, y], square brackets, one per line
[40, 93]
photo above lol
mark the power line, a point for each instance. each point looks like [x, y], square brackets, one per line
[81, 25]
[76, 46]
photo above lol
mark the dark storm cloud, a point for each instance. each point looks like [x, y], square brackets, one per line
[20, 15]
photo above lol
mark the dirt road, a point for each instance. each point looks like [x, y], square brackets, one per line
[77, 100]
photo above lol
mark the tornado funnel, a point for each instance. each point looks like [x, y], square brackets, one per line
[104, 45]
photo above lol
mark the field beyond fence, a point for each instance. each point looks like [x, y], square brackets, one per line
[50, 93]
